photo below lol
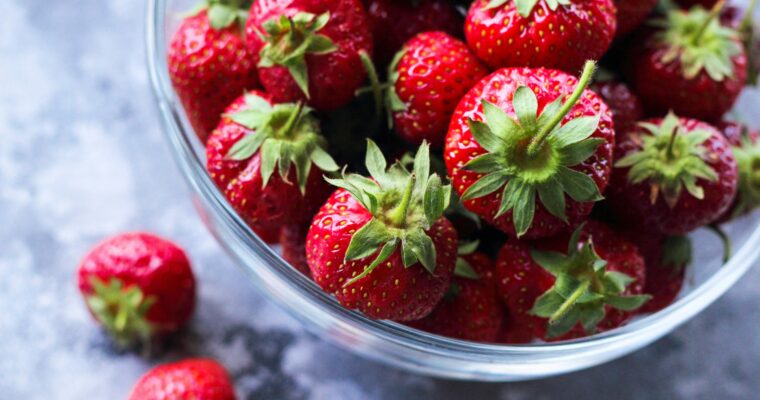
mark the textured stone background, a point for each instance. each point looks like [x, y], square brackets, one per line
[81, 157]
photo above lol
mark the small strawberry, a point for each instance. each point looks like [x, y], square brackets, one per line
[559, 34]
[595, 286]
[428, 77]
[630, 14]
[672, 176]
[396, 21]
[293, 243]
[691, 65]
[198, 379]
[381, 245]
[138, 286]
[251, 155]
[745, 144]
[521, 140]
[209, 63]
[470, 310]
[309, 50]
[625, 106]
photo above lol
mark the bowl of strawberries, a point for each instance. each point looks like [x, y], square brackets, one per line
[488, 190]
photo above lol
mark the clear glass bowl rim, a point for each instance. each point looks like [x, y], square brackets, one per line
[389, 342]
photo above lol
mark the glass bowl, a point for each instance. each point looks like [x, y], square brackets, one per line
[395, 344]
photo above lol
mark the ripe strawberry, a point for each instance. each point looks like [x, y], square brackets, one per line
[470, 310]
[381, 245]
[673, 176]
[691, 65]
[593, 287]
[396, 21]
[556, 34]
[250, 154]
[523, 138]
[293, 243]
[138, 286]
[430, 75]
[209, 63]
[630, 14]
[309, 50]
[745, 144]
[626, 107]
[198, 379]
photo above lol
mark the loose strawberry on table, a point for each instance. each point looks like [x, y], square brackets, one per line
[309, 50]
[209, 63]
[380, 244]
[138, 286]
[630, 14]
[745, 144]
[530, 150]
[672, 176]
[197, 379]
[559, 34]
[690, 64]
[565, 288]
[268, 159]
[428, 77]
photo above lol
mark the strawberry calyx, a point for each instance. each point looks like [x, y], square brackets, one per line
[285, 134]
[122, 311]
[404, 205]
[582, 289]
[525, 7]
[289, 39]
[532, 157]
[748, 162]
[670, 160]
[222, 14]
[698, 40]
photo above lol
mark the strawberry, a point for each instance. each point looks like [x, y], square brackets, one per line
[470, 310]
[429, 76]
[250, 157]
[626, 107]
[293, 243]
[269, 234]
[309, 50]
[630, 14]
[381, 245]
[209, 63]
[672, 176]
[199, 379]
[745, 144]
[691, 65]
[512, 332]
[595, 286]
[396, 21]
[559, 34]
[138, 286]
[523, 138]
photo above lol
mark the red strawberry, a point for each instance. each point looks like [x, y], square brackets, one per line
[470, 310]
[630, 14]
[309, 50]
[269, 234]
[433, 71]
[137, 286]
[381, 245]
[692, 65]
[269, 159]
[396, 21]
[523, 138]
[209, 64]
[540, 33]
[626, 107]
[745, 144]
[293, 243]
[198, 379]
[673, 176]
[593, 287]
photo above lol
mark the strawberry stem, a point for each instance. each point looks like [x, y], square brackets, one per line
[284, 131]
[714, 11]
[375, 85]
[398, 215]
[671, 144]
[746, 24]
[727, 248]
[583, 82]
[569, 302]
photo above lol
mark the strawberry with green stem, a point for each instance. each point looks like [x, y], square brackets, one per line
[308, 50]
[745, 144]
[381, 244]
[530, 150]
